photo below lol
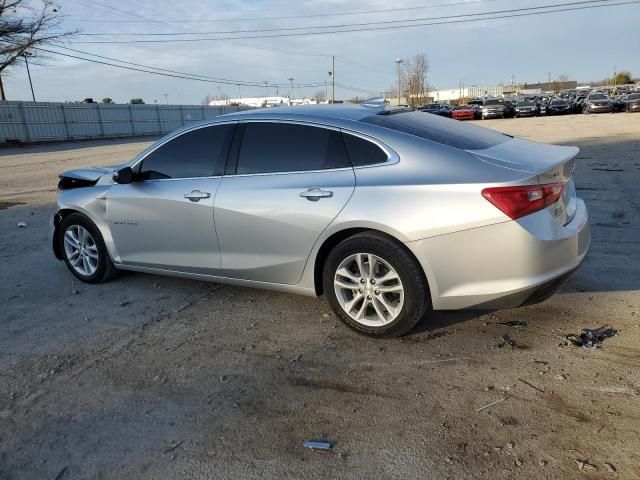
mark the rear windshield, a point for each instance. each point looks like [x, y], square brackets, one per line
[493, 102]
[597, 96]
[440, 129]
[526, 103]
[558, 102]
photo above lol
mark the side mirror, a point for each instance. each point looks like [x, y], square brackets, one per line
[124, 175]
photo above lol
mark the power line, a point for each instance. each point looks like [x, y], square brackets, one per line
[289, 17]
[364, 29]
[348, 25]
[187, 76]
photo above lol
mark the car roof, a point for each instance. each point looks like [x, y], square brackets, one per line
[339, 112]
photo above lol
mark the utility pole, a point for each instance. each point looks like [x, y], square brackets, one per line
[26, 54]
[549, 82]
[266, 86]
[398, 62]
[333, 79]
[291, 79]
[239, 92]
[615, 74]
[166, 98]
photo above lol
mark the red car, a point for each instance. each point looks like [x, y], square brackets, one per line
[464, 112]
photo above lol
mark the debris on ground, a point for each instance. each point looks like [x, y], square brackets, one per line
[507, 341]
[610, 468]
[531, 385]
[591, 338]
[513, 323]
[491, 404]
[173, 447]
[585, 466]
[318, 444]
[22, 224]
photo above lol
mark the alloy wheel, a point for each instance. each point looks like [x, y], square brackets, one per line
[81, 250]
[369, 289]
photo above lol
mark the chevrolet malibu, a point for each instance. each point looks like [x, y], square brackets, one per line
[387, 213]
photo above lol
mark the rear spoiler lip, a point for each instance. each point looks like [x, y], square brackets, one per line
[550, 163]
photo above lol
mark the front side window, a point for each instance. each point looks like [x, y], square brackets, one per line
[287, 147]
[198, 153]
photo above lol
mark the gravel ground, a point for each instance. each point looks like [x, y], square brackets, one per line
[158, 378]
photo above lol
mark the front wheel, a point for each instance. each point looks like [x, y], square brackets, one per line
[84, 250]
[375, 286]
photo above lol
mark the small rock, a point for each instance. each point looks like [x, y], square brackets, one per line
[75, 291]
[22, 225]
[543, 463]
[224, 379]
[448, 460]
[518, 462]
[511, 445]
[326, 315]
[561, 377]
[610, 468]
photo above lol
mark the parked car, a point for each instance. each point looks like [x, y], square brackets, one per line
[558, 106]
[597, 103]
[387, 213]
[492, 108]
[619, 103]
[527, 108]
[632, 102]
[509, 109]
[437, 109]
[464, 112]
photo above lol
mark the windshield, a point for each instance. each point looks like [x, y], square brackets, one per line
[526, 103]
[493, 102]
[441, 130]
[597, 96]
[558, 102]
[635, 96]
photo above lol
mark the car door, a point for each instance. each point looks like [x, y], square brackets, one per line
[164, 219]
[284, 184]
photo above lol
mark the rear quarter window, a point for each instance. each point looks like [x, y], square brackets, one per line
[363, 152]
[440, 130]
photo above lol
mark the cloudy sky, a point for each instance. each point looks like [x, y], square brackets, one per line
[585, 45]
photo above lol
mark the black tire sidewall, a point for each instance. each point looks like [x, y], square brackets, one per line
[416, 297]
[103, 256]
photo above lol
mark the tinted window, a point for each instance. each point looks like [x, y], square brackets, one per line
[363, 152]
[198, 153]
[440, 129]
[493, 102]
[635, 96]
[284, 147]
[597, 96]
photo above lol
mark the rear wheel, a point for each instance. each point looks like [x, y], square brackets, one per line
[84, 250]
[375, 286]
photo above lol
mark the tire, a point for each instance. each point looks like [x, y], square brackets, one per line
[95, 266]
[412, 303]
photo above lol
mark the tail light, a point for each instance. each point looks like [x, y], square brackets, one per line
[519, 201]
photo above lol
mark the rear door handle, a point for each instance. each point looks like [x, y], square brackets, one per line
[196, 195]
[315, 194]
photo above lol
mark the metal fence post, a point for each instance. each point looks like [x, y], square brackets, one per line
[181, 116]
[24, 121]
[159, 120]
[100, 124]
[66, 122]
[203, 110]
[133, 124]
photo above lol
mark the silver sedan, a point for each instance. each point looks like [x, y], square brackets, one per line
[387, 213]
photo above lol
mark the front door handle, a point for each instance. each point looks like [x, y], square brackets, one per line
[196, 195]
[315, 194]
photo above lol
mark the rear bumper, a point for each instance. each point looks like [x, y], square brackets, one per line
[505, 265]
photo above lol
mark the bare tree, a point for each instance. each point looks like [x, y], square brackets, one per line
[319, 96]
[563, 77]
[25, 27]
[414, 85]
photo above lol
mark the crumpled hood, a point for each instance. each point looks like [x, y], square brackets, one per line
[90, 173]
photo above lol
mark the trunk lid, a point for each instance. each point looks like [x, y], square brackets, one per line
[546, 163]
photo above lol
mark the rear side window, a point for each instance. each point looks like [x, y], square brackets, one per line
[285, 147]
[439, 129]
[198, 153]
[363, 152]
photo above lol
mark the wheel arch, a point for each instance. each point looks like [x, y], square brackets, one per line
[337, 237]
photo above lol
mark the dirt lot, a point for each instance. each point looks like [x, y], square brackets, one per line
[153, 378]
